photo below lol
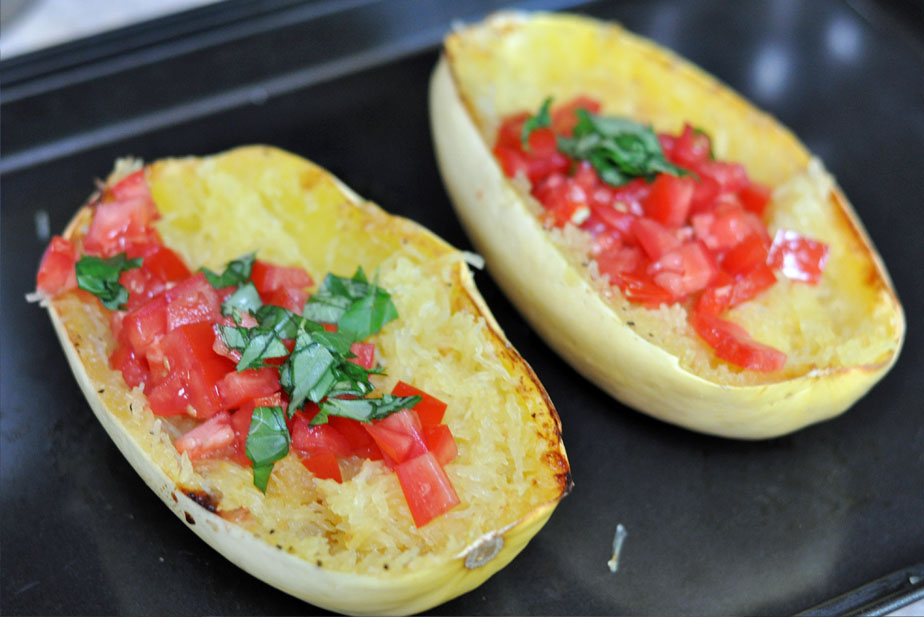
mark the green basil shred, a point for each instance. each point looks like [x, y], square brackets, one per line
[267, 442]
[101, 278]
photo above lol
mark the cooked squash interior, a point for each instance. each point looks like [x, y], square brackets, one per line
[510, 460]
[849, 319]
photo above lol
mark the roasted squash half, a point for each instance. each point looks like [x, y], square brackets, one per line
[348, 547]
[841, 335]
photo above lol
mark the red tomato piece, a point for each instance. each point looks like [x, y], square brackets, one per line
[236, 388]
[165, 264]
[322, 438]
[440, 442]
[170, 396]
[510, 131]
[622, 260]
[705, 192]
[213, 438]
[117, 225]
[359, 439]
[751, 284]
[365, 354]
[426, 487]
[640, 288]
[143, 325]
[542, 142]
[655, 239]
[291, 298]
[56, 272]
[732, 343]
[132, 187]
[134, 369]
[192, 301]
[797, 257]
[732, 177]
[323, 465]
[565, 202]
[188, 353]
[429, 410]
[142, 286]
[720, 231]
[688, 149]
[240, 422]
[683, 271]
[745, 256]
[267, 277]
[398, 436]
[669, 200]
[755, 197]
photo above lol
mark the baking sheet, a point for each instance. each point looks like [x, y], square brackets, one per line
[714, 526]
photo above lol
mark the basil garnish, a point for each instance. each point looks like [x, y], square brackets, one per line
[540, 121]
[101, 278]
[267, 442]
[237, 272]
[245, 298]
[618, 148]
[359, 308]
[364, 409]
[255, 344]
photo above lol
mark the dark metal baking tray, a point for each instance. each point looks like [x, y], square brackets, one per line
[715, 526]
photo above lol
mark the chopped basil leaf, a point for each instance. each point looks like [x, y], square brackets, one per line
[267, 442]
[245, 298]
[101, 278]
[255, 344]
[283, 321]
[618, 148]
[308, 372]
[236, 272]
[540, 121]
[358, 308]
[367, 315]
[364, 409]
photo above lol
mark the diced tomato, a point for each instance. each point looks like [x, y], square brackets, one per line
[188, 353]
[360, 440]
[322, 438]
[440, 442]
[515, 161]
[117, 225]
[169, 397]
[398, 436]
[542, 142]
[365, 354]
[564, 117]
[720, 231]
[134, 368]
[565, 202]
[731, 177]
[745, 256]
[755, 197]
[688, 149]
[751, 284]
[240, 422]
[683, 271]
[165, 264]
[614, 263]
[56, 272]
[669, 200]
[323, 465]
[429, 410]
[142, 285]
[640, 288]
[145, 324]
[732, 343]
[213, 438]
[705, 192]
[236, 388]
[267, 277]
[192, 301]
[132, 187]
[511, 130]
[797, 257]
[290, 298]
[654, 238]
[426, 487]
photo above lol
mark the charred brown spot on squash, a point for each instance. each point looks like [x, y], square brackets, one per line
[189, 518]
[202, 498]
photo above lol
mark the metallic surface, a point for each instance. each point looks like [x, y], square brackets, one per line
[715, 526]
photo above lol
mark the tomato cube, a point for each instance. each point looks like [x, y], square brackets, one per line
[797, 257]
[56, 272]
[290, 298]
[322, 438]
[732, 343]
[192, 301]
[745, 256]
[360, 440]
[669, 200]
[236, 388]
[169, 397]
[134, 368]
[755, 197]
[145, 324]
[188, 353]
[426, 487]
[323, 465]
[429, 410]
[267, 277]
[440, 442]
[213, 438]
[365, 354]
[654, 238]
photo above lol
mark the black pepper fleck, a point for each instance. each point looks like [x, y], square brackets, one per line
[385, 566]
[101, 391]
[319, 563]
[630, 323]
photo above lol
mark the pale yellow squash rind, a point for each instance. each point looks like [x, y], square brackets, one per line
[511, 62]
[358, 232]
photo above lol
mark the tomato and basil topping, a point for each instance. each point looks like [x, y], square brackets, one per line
[265, 367]
[669, 222]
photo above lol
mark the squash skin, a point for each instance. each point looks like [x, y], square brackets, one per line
[347, 592]
[559, 300]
